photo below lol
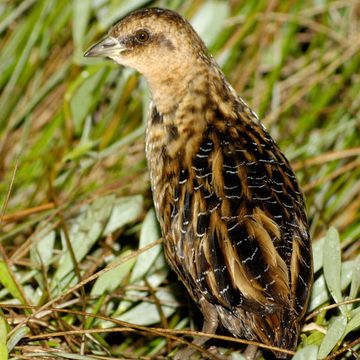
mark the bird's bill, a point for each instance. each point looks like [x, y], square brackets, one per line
[108, 46]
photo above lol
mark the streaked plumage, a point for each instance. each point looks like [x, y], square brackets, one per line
[229, 206]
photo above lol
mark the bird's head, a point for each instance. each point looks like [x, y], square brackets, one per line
[156, 42]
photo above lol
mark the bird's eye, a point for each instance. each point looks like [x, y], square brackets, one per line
[142, 35]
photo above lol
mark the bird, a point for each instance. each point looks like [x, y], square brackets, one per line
[230, 209]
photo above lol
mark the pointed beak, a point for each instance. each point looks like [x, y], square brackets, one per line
[108, 46]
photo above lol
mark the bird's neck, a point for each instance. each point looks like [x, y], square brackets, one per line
[187, 106]
[198, 88]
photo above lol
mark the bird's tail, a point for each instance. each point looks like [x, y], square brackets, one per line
[281, 330]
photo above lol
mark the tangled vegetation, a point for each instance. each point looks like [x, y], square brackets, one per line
[82, 273]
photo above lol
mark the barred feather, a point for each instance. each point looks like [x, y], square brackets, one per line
[235, 228]
[229, 206]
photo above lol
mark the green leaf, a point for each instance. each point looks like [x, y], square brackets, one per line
[4, 355]
[83, 232]
[3, 334]
[149, 233]
[23, 58]
[125, 210]
[155, 277]
[6, 279]
[332, 264]
[317, 249]
[158, 271]
[209, 20]
[109, 281]
[41, 251]
[16, 337]
[118, 9]
[320, 294]
[94, 309]
[306, 353]
[81, 99]
[237, 356]
[79, 150]
[354, 322]
[14, 14]
[81, 15]
[3, 327]
[333, 335]
[314, 338]
[146, 313]
[355, 282]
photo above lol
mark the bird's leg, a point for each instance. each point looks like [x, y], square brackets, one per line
[250, 352]
[209, 326]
